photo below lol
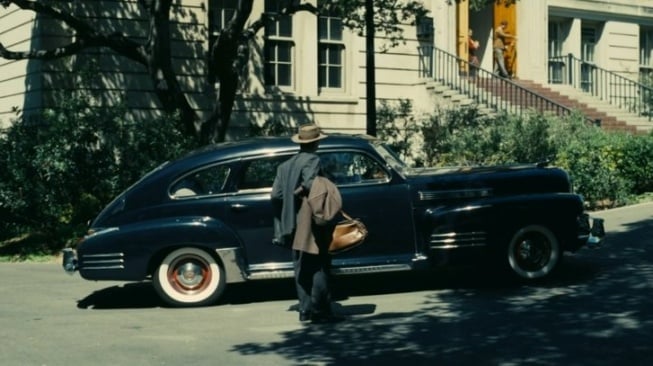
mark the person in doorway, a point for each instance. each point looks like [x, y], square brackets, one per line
[500, 43]
[300, 197]
[473, 46]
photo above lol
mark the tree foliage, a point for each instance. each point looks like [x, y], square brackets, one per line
[229, 52]
[58, 171]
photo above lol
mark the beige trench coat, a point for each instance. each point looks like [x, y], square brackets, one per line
[314, 220]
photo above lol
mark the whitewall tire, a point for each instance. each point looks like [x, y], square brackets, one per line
[534, 252]
[189, 277]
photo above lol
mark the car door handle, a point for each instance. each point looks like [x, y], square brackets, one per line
[238, 207]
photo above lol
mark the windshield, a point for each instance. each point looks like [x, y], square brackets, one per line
[391, 157]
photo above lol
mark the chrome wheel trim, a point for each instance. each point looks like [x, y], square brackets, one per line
[533, 252]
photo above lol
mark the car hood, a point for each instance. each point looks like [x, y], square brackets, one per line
[499, 180]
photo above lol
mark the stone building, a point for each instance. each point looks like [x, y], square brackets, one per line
[310, 69]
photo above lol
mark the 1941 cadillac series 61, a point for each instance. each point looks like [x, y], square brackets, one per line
[196, 224]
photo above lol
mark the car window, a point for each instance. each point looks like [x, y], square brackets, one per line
[202, 182]
[350, 167]
[259, 173]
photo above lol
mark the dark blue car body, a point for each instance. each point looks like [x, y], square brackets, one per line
[205, 220]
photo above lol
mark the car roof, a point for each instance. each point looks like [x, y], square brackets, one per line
[262, 145]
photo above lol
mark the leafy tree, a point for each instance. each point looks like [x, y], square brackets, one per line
[58, 171]
[228, 52]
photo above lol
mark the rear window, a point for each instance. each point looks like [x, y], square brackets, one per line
[203, 182]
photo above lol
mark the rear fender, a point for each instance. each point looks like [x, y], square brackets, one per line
[141, 246]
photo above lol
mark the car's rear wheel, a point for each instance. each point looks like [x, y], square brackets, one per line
[189, 277]
[534, 252]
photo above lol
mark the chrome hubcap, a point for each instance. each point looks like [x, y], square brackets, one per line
[533, 254]
[189, 275]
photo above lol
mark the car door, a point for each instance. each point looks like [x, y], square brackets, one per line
[381, 199]
[248, 211]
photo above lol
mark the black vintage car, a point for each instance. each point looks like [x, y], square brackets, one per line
[196, 224]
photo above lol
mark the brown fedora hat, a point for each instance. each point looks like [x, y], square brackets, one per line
[307, 134]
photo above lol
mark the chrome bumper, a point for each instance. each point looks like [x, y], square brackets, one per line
[69, 260]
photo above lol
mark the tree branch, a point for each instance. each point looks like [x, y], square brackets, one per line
[51, 54]
[86, 37]
[38, 7]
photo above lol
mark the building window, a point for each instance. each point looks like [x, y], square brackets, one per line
[587, 68]
[425, 50]
[646, 55]
[425, 61]
[555, 39]
[279, 47]
[331, 50]
[220, 13]
[588, 44]
[556, 61]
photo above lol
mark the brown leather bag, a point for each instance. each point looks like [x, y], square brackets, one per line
[347, 234]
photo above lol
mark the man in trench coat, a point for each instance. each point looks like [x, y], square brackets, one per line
[305, 204]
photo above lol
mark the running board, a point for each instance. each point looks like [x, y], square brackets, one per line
[269, 275]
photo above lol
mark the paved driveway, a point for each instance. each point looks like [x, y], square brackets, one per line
[596, 310]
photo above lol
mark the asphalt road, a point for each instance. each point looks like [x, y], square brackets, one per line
[596, 310]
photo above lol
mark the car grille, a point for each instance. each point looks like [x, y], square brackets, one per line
[455, 240]
[102, 261]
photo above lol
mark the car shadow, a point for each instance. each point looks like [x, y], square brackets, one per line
[128, 296]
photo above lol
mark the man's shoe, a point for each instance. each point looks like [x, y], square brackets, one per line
[304, 316]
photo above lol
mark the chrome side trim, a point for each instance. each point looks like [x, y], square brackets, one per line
[102, 261]
[110, 261]
[269, 275]
[104, 267]
[372, 269]
[104, 255]
[278, 274]
[454, 194]
[453, 240]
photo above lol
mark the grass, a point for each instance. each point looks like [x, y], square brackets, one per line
[27, 248]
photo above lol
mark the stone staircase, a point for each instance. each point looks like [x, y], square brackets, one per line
[641, 124]
[609, 117]
[446, 97]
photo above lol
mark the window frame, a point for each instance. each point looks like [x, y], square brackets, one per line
[327, 43]
[174, 187]
[274, 40]
[646, 53]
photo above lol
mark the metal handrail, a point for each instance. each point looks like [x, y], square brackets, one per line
[606, 85]
[487, 88]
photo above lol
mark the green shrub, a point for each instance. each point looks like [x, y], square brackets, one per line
[606, 168]
[461, 136]
[635, 162]
[396, 126]
[59, 169]
[593, 171]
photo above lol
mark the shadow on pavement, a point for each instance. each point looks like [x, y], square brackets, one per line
[596, 310]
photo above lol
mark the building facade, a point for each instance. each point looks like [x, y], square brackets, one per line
[305, 68]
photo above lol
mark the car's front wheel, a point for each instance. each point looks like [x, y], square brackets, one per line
[534, 252]
[189, 277]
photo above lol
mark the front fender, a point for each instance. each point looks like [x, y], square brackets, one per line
[481, 222]
[125, 252]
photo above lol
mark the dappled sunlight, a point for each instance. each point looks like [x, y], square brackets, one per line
[594, 311]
